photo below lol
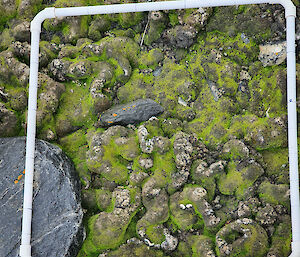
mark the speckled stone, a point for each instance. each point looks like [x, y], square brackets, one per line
[57, 215]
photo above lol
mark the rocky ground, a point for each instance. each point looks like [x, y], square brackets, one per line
[175, 121]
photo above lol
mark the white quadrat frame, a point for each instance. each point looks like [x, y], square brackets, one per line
[48, 13]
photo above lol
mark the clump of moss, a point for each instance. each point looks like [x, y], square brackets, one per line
[75, 146]
[150, 59]
[276, 161]
[75, 110]
[274, 194]
[239, 178]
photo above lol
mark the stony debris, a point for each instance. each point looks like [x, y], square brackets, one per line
[272, 54]
[131, 113]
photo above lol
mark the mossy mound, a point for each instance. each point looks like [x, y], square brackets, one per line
[75, 110]
[239, 177]
[110, 153]
[107, 229]
[274, 194]
[242, 238]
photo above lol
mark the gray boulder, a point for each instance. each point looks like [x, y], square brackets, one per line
[131, 113]
[57, 215]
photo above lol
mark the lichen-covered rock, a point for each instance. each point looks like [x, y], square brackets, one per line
[131, 113]
[266, 215]
[242, 237]
[183, 151]
[107, 229]
[8, 122]
[80, 69]
[21, 31]
[239, 178]
[58, 69]
[57, 214]
[272, 54]
[180, 36]
[12, 71]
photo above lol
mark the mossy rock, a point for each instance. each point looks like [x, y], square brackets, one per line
[75, 109]
[150, 59]
[276, 161]
[196, 196]
[281, 239]
[157, 88]
[232, 20]
[100, 24]
[239, 178]
[206, 176]
[266, 96]
[242, 237]
[260, 133]
[201, 245]
[75, 146]
[120, 46]
[107, 229]
[185, 219]
[274, 194]
[110, 153]
[235, 150]
[157, 23]
[135, 249]
[96, 199]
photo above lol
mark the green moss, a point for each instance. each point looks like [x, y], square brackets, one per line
[127, 20]
[75, 146]
[239, 178]
[155, 30]
[281, 239]
[155, 234]
[75, 107]
[274, 194]
[150, 59]
[276, 161]
[106, 231]
[173, 18]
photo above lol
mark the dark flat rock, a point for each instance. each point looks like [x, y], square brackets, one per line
[131, 113]
[57, 228]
